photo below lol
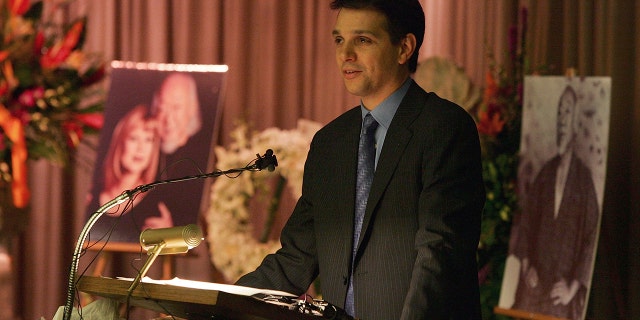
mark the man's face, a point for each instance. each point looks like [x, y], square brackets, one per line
[174, 115]
[566, 109]
[368, 61]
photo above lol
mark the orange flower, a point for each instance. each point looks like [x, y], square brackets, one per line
[4, 54]
[13, 129]
[491, 123]
[61, 50]
[18, 7]
[491, 88]
[7, 71]
[490, 120]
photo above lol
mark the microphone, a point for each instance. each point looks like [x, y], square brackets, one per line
[172, 240]
[268, 161]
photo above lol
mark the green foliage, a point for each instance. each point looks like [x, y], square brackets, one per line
[499, 124]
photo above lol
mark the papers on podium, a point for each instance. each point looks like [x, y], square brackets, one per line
[228, 288]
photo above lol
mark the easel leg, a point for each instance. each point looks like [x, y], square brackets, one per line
[168, 265]
[101, 263]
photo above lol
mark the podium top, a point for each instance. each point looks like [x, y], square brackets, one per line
[194, 302]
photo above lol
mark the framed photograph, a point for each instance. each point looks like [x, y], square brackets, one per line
[160, 124]
[561, 177]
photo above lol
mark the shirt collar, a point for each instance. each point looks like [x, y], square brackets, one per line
[384, 112]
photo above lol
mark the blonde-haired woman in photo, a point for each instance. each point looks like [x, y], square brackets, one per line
[132, 157]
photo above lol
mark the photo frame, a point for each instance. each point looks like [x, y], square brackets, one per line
[160, 123]
[561, 178]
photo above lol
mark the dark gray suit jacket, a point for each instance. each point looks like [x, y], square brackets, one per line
[416, 257]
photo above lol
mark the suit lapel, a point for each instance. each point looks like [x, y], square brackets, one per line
[346, 146]
[395, 143]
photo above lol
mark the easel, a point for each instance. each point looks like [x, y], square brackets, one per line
[524, 315]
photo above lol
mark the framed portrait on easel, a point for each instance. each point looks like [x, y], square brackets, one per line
[561, 176]
[160, 124]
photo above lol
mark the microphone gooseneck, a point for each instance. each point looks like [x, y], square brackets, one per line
[267, 161]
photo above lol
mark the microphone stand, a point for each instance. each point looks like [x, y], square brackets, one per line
[153, 254]
[268, 161]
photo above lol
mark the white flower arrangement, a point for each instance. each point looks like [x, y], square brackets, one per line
[233, 248]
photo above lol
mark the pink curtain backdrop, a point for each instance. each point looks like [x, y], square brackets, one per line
[281, 68]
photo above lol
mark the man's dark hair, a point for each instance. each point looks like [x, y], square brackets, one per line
[403, 17]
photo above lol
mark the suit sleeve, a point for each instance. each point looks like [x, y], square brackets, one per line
[444, 283]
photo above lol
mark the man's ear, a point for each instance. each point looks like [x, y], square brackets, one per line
[407, 47]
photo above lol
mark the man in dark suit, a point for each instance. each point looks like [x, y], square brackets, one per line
[415, 257]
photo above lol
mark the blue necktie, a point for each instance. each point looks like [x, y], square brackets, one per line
[366, 168]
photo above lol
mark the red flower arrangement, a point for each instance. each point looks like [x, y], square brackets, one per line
[44, 75]
[499, 124]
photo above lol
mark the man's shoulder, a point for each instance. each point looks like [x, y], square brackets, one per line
[341, 123]
[430, 101]
[428, 110]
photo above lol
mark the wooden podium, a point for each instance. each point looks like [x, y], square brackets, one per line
[189, 303]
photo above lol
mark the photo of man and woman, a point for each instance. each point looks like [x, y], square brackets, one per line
[159, 122]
